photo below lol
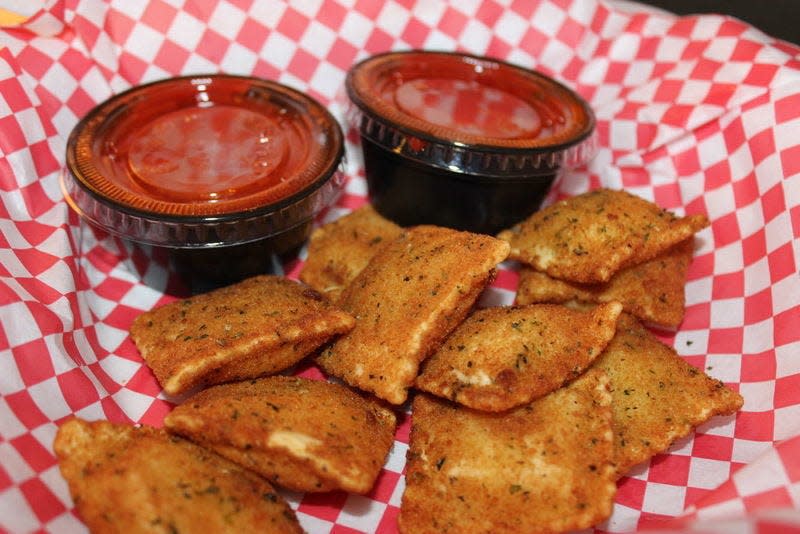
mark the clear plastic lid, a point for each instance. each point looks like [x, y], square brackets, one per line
[204, 161]
[469, 114]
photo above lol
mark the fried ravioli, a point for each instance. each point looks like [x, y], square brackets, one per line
[503, 357]
[305, 435]
[657, 397]
[124, 478]
[652, 291]
[410, 296]
[587, 238]
[259, 326]
[543, 467]
[339, 250]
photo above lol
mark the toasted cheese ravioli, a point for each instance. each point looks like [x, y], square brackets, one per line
[256, 327]
[410, 296]
[652, 291]
[339, 250]
[657, 397]
[589, 237]
[126, 478]
[543, 467]
[305, 435]
[502, 357]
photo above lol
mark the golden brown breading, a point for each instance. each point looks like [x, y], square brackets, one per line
[652, 291]
[506, 356]
[339, 250]
[259, 326]
[587, 238]
[412, 294]
[305, 435]
[124, 478]
[657, 397]
[543, 467]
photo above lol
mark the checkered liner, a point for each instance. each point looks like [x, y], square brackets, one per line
[700, 114]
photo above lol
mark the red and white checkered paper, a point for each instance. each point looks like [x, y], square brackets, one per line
[700, 114]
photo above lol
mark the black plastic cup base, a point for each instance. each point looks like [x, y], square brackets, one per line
[410, 193]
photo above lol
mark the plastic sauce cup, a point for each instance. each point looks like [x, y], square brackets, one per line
[225, 172]
[463, 141]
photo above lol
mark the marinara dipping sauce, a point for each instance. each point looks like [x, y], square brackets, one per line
[463, 141]
[226, 172]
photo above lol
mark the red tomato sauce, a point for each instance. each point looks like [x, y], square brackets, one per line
[208, 154]
[205, 146]
[470, 100]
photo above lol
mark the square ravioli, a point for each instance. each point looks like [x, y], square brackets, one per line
[339, 250]
[543, 467]
[256, 327]
[657, 397]
[305, 435]
[126, 478]
[652, 291]
[410, 296]
[589, 237]
[502, 357]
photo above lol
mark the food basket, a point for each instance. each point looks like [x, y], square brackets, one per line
[700, 114]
